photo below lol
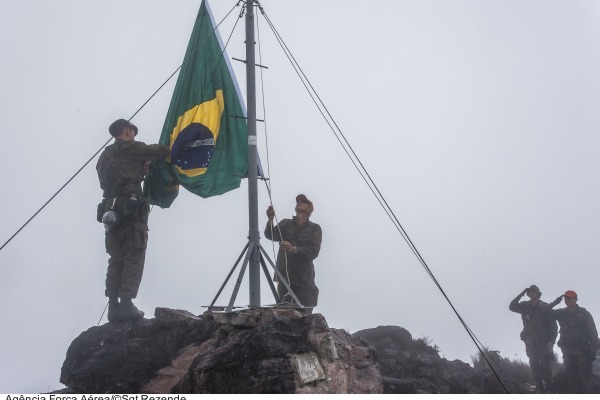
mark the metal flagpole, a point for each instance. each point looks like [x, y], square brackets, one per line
[254, 237]
[253, 259]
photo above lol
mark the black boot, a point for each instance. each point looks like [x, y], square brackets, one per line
[128, 311]
[113, 309]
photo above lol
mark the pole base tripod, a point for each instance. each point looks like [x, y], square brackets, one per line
[252, 249]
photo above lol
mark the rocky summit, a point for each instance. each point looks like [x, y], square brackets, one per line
[261, 350]
[276, 350]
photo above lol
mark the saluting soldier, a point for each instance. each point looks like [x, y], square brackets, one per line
[539, 334]
[300, 243]
[578, 342]
[121, 170]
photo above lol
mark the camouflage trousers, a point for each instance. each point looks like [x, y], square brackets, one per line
[126, 246]
[579, 372]
[539, 361]
[308, 296]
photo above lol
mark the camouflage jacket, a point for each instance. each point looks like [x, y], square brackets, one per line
[578, 332]
[121, 167]
[538, 324]
[307, 240]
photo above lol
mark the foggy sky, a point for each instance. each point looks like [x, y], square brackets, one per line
[476, 119]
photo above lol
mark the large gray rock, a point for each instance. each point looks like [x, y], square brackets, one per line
[262, 350]
[120, 357]
[414, 366]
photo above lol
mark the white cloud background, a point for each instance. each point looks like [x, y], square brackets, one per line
[477, 119]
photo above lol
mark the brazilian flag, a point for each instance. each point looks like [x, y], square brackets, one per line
[205, 125]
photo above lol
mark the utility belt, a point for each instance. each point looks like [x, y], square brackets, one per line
[126, 207]
[531, 337]
[574, 339]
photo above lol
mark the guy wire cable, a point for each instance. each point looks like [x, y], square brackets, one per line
[102, 315]
[319, 106]
[406, 238]
[386, 207]
[361, 173]
[108, 141]
[361, 170]
[374, 188]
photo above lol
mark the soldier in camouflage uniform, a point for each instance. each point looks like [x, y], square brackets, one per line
[578, 342]
[300, 243]
[121, 169]
[539, 334]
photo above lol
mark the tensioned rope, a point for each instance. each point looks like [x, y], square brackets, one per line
[108, 141]
[268, 182]
[374, 189]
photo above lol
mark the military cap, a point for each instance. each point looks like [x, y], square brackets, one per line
[302, 199]
[116, 127]
[571, 294]
[535, 289]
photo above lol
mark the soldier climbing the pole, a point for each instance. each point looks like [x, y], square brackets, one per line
[539, 334]
[299, 244]
[121, 169]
